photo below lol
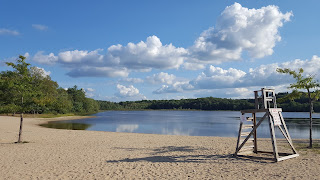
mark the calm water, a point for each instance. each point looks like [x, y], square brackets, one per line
[191, 123]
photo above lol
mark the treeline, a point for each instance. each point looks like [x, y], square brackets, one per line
[29, 90]
[297, 105]
[209, 103]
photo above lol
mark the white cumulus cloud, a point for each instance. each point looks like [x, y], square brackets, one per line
[216, 78]
[129, 91]
[174, 88]
[240, 29]
[49, 59]
[161, 78]
[149, 54]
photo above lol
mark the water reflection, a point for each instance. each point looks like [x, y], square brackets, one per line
[191, 123]
[127, 128]
[177, 131]
[64, 125]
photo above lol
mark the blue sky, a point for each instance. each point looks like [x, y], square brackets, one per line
[133, 50]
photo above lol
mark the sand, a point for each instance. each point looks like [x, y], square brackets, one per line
[70, 154]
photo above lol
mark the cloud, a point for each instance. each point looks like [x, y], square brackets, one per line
[216, 78]
[77, 57]
[49, 59]
[90, 90]
[129, 91]
[193, 66]
[40, 27]
[240, 29]
[149, 54]
[237, 30]
[161, 78]
[133, 80]
[143, 57]
[174, 88]
[4, 31]
[87, 71]
[234, 93]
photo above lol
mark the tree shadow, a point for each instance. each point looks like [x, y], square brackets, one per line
[189, 156]
[164, 149]
[175, 159]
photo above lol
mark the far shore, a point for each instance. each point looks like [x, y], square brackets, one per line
[69, 154]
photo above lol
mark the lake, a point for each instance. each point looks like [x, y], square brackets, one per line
[189, 123]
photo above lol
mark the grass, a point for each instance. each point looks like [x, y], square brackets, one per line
[303, 146]
[44, 115]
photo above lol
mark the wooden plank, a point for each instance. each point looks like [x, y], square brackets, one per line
[287, 132]
[288, 140]
[244, 133]
[250, 140]
[247, 126]
[247, 147]
[240, 127]
[250, 119]
[258, 110]
[287, 157]
[273, 138]
[245, 152]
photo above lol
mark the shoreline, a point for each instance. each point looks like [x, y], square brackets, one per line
[70, 154]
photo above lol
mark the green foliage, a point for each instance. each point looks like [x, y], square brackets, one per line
[29, 90]
[307, 83]
[208, 103]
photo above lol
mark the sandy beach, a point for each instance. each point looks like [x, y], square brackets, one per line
[70, 154]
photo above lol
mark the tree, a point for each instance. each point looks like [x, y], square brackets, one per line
[20, 87]
[307, 83]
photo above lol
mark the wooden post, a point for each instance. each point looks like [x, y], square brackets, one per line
[273, 138]
[256, 101]
[239, 134]
[255, 150]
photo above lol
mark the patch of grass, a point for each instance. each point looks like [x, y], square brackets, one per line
[305, 147]
[42, 115]
[54, 115]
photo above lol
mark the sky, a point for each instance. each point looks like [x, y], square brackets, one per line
[134, 50]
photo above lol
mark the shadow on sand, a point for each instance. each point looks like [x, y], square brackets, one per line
[189, 155]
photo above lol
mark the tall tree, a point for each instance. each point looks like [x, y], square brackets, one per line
[306, 83]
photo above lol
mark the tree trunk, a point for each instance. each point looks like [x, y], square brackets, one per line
[311, 110]
[21, 122]
[20, 130]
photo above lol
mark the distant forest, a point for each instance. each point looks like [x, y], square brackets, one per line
[209, 103]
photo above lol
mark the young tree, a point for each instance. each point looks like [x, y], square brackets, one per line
[307, 83]
[20, 87]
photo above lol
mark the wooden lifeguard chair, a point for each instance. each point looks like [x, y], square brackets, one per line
[265, 102]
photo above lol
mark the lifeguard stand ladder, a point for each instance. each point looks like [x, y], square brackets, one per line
[265, 102]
